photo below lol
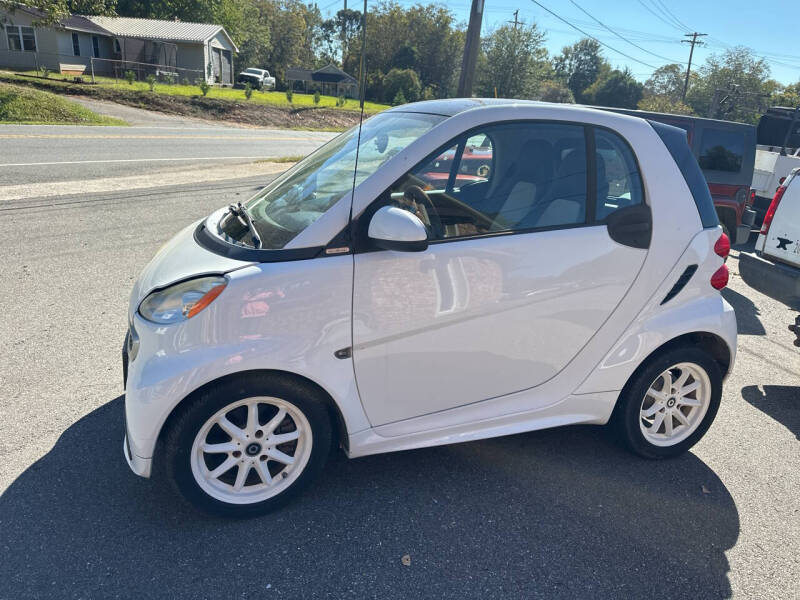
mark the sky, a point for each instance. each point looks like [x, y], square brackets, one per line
[655, 26]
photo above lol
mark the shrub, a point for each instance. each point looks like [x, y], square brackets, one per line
[317, 97]
[45, 72]
[130, 77]
[248, 90]
[402, 80]
[289, 95]
[170, 78]
[429, 93]
[151, 81]
[204, 87]
[340, 101]
[399, 98]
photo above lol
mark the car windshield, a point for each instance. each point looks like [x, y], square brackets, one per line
[302, 195]
[253, 71]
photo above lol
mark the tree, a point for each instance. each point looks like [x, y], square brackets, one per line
[555, 91]
[784, 96]
[618, 88]
[429, 29]
[666, 81]
[731, 86]
[404, 82]
[55, 10]
[663, 104]
[515, 62]
[340, 32]
[580, 65]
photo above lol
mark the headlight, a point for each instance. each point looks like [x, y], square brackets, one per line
[181, 301]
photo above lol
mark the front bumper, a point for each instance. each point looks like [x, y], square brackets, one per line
[774, 279]
[140, 466]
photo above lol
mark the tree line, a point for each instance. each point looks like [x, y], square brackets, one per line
[414, 53]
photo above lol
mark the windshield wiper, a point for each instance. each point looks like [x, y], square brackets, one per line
[237, 210]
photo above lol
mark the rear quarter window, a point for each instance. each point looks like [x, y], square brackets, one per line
[675, 141]
[721, 150]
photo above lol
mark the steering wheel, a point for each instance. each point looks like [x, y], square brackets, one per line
[414, 193]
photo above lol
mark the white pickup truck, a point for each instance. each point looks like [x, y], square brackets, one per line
[259, 79]
[774, 267]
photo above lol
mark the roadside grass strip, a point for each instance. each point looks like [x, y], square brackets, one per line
[28, 106]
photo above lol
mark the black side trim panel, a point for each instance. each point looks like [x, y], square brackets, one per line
[680, 284]
[631, 226]
[212, 243]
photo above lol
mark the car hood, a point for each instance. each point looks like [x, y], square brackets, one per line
[249, 75]
[180, 258]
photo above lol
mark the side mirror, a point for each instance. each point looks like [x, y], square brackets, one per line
[393, 228]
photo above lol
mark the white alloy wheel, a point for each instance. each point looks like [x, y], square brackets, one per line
[675, 404]
[251, 450]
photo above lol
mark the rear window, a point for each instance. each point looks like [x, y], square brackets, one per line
[721, 150]
[675, 141]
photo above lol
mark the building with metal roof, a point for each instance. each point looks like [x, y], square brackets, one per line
[115, 45]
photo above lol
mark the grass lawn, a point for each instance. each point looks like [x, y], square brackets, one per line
[24, 105]
[258, 97]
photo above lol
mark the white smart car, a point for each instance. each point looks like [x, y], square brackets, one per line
[490, 267]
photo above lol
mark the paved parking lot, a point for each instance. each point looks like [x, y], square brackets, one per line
[560, 513]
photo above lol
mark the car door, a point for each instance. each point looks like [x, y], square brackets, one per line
[518, 276]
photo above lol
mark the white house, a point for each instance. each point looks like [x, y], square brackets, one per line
[113, 45]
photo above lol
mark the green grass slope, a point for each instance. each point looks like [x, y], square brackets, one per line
[25, 105]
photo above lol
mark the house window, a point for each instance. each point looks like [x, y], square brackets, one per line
[117, 49]
[28, 39]
[95, 46]
[76, 45]
[14, 39]
[21, 38]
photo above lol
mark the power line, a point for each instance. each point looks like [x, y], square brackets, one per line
[578, 6]
[671, 15]
[663, 12]
[560, 18]
[660, 18]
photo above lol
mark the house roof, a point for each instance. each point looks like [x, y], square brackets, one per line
[329, 73]
[72, 22]
[154, 29]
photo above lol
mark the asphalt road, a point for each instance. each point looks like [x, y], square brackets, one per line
[48, 153]
[563, 513]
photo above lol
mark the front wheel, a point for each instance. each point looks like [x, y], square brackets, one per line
[244, 447]
[669, 405]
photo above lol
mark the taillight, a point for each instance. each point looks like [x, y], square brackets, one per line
[772, 208]
[723, 246]
[720, 278]
[781, 180]
[752, 198]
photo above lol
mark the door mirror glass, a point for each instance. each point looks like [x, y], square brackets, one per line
[393, 228]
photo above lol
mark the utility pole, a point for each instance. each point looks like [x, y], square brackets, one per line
[694, 41]
[516, 20]
[344, 33]
[471, 50]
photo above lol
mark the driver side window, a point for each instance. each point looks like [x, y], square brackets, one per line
[506, 177]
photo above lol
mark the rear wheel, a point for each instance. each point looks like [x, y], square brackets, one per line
[244, 447]
[669, 404]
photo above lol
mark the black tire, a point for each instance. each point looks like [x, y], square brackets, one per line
[626, 417]
[199, 409]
